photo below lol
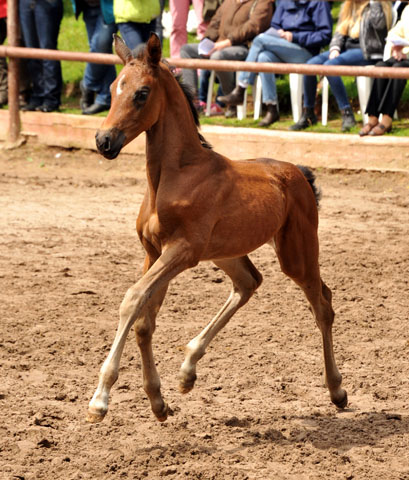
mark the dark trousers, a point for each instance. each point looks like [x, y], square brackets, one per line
[386, 92]
[3, 63]
[98, 77]
[40, 24]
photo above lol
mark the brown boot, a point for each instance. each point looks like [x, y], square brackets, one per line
[272, 116]
[234, 98]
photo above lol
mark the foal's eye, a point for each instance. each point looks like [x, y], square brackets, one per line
[141, 96]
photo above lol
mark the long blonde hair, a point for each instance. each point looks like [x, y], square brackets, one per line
[351, 13]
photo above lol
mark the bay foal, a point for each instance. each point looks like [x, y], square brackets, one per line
[200, 205]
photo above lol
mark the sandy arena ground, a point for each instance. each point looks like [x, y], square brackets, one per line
[259, 410]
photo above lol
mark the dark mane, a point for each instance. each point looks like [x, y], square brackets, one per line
[189, 94]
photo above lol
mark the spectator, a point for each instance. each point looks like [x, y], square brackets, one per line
[209, 9]
[359, 40]
[386, 92]
[3, 62]
[299, 28]
[179, 10]
[24, 76]
[136, 19]
[40, 25]
[231, 29]
[158, 21]
[100, 24]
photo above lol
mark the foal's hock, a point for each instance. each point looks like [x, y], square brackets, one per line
[200, 205]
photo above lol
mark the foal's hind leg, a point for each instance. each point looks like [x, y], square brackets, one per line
[297, 250]
[246, 279]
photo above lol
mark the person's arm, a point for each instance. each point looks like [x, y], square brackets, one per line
[276, 21]
[212, 31]
[322, 19]
[337, 44]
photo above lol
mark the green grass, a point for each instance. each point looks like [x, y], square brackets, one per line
[73, 37]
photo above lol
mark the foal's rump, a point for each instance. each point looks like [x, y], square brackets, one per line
[290, 175]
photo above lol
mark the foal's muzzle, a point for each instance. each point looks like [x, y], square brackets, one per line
[109, 142]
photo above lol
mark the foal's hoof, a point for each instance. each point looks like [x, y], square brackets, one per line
[163, 414]
[341, 401]
[95, 417]
[186, 384]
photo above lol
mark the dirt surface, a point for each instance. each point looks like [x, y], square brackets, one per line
[259, 409]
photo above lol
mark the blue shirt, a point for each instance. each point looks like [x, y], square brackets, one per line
[310, 22]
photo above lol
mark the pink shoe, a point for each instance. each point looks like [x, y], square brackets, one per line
[215, 110]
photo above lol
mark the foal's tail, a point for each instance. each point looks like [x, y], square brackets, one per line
[309, 175]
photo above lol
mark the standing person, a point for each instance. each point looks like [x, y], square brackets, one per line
[232, 28]
[40, 25]
[100, 24]
[136, 19]
[3, 61]
[179, 10]
[158, 22]
[299, 28]
[386, 92]
[359, 40]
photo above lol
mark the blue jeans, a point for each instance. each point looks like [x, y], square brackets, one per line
[204, 86]
[353, 56]
[136, 34]
[40, 24]
[268, 48]
[98, 77]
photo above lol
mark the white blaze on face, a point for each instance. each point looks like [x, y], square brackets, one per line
[119, 87]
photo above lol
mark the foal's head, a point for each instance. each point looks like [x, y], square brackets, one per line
[136, 98]
[139, 96]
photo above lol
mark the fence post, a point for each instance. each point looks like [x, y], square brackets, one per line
[13, 134]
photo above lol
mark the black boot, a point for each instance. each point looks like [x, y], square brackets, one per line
[271, 116]
[348, 119]
[307, 119]
[234, 98]
[87, 97]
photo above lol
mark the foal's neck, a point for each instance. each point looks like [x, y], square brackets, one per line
[173, 143]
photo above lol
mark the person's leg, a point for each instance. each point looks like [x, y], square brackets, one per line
[236, 96]
[201, 24]
[48, 16]
[34, 66]
[278, 50]
[349, 57]
[203, 85]
[179, 10]
[158, 22]
[308, 116]
[257, 46]
[377, 92]
[189, 75]
[384, 99]
[393, 91]
[3, 65]
[228, 79]
[135, 34]
[310, 81]
[98, 77]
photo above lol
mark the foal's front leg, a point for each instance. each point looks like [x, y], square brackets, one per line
[140, 301]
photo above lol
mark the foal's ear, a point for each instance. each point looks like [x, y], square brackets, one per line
[153, 52]
[123, 52]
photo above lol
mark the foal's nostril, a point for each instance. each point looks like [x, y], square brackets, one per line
[103, 142]
[107, 144]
